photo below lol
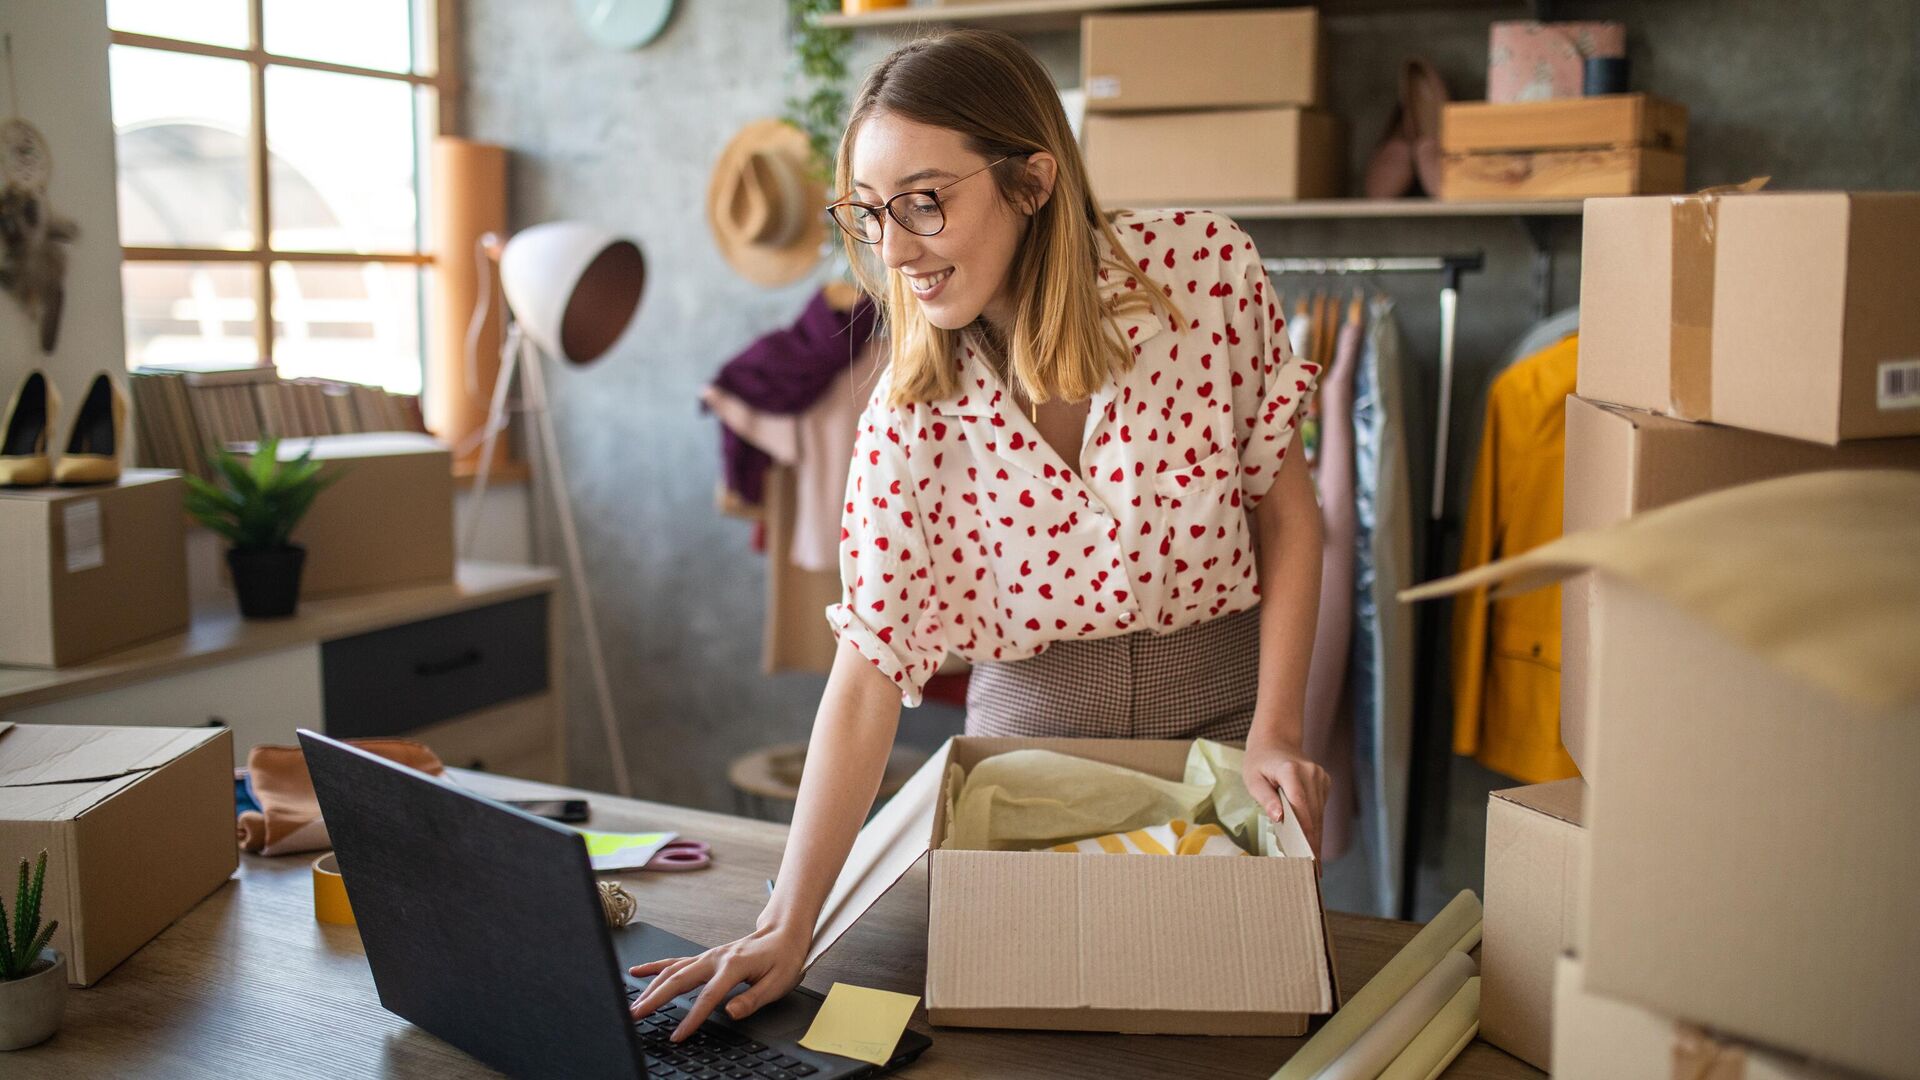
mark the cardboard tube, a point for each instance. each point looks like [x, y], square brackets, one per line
[1383, 1041]
[1458, 921]
[1431, 1051]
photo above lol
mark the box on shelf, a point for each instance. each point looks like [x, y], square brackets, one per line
[1540, 61]
[1610, 121]
[1803, 327]
[1070, 942]
[1598, 1038]
[1561, 174]
[391, 484]
[1536, 860]
[137, 823]
[1621, 462]
[91, 569]
[1214, 157]
[1195, 60]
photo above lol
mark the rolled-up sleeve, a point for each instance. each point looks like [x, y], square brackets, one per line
[887, 609]
[1271, 386]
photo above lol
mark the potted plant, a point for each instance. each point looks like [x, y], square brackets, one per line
[33, 977]
[256, 505]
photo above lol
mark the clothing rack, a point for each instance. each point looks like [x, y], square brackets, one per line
[1427, 777]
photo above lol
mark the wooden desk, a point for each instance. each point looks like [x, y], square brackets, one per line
[248, 984]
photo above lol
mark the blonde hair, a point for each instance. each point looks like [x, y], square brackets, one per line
[986, 86]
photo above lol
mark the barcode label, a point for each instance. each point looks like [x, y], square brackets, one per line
[86, 547]
[1899, 384]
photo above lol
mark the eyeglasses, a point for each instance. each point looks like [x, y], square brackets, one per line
[918, 211]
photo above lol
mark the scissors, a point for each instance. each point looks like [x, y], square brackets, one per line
[681, 855]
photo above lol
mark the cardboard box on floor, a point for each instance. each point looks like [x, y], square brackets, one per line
[1786, 313]
[1216, 156]
[392, 484]
[1535, 883]
[1621, 462]
[1598, 1038]
[1202, 60]
[137, 823]
[88, 570]
[1073, 942]
[1751, 664]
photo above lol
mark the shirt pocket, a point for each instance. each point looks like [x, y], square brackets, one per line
[1205, 551]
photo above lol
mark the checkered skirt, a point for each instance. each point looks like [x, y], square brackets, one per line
[1197, 682]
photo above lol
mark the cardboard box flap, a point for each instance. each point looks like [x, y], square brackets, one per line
[1562, 799]
[998, 948]
[37, 754]
[1815, 574]
[60, 802]
[882, 853]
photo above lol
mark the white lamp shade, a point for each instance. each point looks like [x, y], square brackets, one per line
[573, 287]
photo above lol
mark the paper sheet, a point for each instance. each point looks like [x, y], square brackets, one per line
[1458, 921]
[860, 1022]
[1431, 1051]
[623, 851]
[1383, 1041]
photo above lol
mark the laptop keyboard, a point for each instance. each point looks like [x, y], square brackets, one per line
[713, 1051]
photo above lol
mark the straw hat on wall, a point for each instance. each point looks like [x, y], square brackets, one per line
[766, 209]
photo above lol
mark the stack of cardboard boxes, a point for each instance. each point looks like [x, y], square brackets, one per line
[1732, 884]
[1209, 108]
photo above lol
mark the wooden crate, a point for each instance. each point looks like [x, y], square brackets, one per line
[1607, 121]
[1563, 174]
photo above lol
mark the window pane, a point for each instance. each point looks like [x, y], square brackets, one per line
[361, 33]
[359, 322]
[216, 22]
[189, 311]
[344, 154]
[181, 127]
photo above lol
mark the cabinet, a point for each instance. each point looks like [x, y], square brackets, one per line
[471, 669]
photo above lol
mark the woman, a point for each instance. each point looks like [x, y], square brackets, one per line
[1071, 474]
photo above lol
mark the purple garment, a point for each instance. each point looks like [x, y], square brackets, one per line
[785, 372]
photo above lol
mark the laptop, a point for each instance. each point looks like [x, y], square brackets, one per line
[483, 925]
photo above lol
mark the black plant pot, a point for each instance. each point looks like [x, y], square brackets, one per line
[267, 580]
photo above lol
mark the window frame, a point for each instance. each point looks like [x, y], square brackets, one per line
[444, 79]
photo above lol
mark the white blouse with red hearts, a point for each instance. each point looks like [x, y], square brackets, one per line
[964, 531]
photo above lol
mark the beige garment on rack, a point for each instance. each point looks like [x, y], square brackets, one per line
[797, 636]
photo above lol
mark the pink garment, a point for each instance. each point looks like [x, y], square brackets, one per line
[1328, 737]
[817, 444]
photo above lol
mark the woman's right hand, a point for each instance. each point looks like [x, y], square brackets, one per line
[770, 959]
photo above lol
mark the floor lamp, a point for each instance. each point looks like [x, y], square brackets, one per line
[570, 292]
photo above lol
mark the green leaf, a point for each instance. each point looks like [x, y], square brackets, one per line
[265, 458]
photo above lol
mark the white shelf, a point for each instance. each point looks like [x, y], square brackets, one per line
[1332, 209]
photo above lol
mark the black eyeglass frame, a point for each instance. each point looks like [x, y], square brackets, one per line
[932, 192]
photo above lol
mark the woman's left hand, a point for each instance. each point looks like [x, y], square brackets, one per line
[1273, 767]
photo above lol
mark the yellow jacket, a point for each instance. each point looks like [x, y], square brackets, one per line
[1506, 654]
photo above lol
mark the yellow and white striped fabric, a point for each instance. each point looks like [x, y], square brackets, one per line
[1176, 837]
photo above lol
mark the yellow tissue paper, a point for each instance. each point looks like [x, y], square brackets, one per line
[1029, 799]
[860, 1022]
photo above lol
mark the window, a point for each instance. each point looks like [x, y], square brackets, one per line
[272, 181]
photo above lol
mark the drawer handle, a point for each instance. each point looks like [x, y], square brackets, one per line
[465, 659]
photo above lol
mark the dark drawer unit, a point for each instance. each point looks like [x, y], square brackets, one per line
[389, 682]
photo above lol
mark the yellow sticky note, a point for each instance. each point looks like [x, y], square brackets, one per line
[861, 1023]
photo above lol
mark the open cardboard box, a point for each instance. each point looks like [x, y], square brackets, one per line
[1084, 942]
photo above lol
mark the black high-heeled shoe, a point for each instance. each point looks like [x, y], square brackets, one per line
[24, 432]
[92, 449]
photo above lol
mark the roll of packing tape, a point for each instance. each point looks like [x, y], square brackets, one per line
[330, 892]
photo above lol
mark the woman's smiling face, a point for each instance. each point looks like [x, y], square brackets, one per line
[959, 273]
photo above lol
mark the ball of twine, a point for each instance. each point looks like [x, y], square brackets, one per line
[618, 904]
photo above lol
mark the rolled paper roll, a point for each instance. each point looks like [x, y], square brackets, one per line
[1458, 922]
[1376, 1047]
[1442, 1039]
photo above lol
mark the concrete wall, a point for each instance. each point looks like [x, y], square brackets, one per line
[1816, 95]
[60, 66]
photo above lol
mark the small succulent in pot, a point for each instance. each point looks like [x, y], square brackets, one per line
[21, 935]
